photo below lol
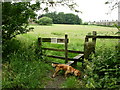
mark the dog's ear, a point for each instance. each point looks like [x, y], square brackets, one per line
[53, 64]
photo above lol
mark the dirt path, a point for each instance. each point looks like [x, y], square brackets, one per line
[55, 82]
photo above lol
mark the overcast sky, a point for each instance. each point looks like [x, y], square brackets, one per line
[95, 10]
[92, 10]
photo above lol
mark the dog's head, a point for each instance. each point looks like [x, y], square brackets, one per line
[77, 73]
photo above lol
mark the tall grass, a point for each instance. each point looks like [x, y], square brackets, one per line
[24, 67]
[103, 71]
[73, 82]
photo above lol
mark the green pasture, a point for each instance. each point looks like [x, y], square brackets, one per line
[76, 35]
[27, 69]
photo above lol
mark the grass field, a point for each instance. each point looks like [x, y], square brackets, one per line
[76, 35]
[24, 69]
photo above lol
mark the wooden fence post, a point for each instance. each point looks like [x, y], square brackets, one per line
[86, 39]
[94, 40]
[66, 48]
[85, 47]
[89, 47]
[85, 51]
[40, 44]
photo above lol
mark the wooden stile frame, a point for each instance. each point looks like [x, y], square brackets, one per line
[65, 50]
[94, 37]
[89, 47]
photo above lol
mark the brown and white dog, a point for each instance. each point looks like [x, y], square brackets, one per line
[66, 68]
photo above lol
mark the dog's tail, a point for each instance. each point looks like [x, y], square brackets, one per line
[54, 65]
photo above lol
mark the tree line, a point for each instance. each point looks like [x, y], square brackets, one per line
[62, 18]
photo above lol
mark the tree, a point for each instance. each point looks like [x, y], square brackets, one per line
[62, 18]
[45, 21]
[112, 5]
[15, 15]
[15, 18]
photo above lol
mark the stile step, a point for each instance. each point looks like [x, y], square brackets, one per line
[78, 56]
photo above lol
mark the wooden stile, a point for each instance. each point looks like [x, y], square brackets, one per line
[54, 40]
[86, 39]
[66, 48]
[39, 41]
[63, 50]
[60, 57]
[104, 37]
[78, 58]
[94, 38]
[46, 39]
[89, 47]
[70, 63]
[40, 44]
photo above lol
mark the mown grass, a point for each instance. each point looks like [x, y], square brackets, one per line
[25, 68]
[76, 35]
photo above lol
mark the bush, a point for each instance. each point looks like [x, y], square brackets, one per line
[23, 69]
[85, 23]
[45, 21]
[103, 71]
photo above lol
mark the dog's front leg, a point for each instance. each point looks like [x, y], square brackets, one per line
[66, 73]
[56, 71]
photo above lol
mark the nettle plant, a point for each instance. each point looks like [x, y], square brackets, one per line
[103, 71]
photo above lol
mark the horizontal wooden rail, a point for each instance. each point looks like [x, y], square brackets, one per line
[53, 49]
[79, 56]
[107, 37]
[70, 63]
[57, 40]
[59, 57]
[72, 51]
[46, 39]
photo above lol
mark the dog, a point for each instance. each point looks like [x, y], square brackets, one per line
[66, 68]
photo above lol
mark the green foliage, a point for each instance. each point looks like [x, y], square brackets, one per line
[45, 21]
[19, 53]
[15, 18]
[72, 82]
[23, 69]
[62, 18]
[103, 71]
[85, 23]
[24, 74]
[118, 27]
[9, 47]
[16, 15]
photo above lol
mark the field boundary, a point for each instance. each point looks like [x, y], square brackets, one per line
[64, 41]
[89, 47]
